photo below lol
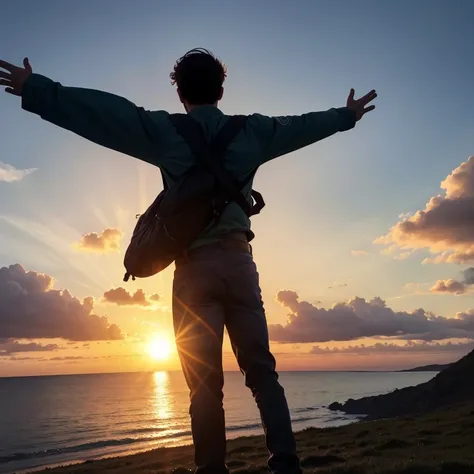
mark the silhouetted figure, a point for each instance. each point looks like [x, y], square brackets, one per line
[216, 283]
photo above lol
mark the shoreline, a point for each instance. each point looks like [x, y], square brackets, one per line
[436, 442]
[114, 452]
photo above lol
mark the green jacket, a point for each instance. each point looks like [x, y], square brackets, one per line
[118, 124]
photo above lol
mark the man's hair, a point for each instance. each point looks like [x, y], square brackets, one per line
[199, 76]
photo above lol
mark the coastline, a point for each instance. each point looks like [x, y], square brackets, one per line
[436, 442]
[142, 413]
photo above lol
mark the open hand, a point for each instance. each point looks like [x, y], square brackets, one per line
[15, 77]
[359, 106]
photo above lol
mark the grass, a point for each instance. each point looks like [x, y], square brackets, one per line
[440, 442]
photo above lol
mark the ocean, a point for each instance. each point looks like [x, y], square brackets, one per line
[46, 421]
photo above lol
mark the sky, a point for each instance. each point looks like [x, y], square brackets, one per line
[366, 245]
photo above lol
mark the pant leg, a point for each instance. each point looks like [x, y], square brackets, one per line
[198, 318]
[247, 327]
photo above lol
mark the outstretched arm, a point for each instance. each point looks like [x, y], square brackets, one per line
[278, 136]
[105, 119]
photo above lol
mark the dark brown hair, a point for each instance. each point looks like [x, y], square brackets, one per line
[199, 76]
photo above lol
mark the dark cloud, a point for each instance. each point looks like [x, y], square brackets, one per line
[449, 286]
[107, 241]
[18, 359]
[389, 347]
[446, 225]
[468, 275]
[14, 347]
[359, 318]
[122, 297]
[67, 358]
[31, 309]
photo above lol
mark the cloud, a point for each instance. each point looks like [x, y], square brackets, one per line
[454, 286]
[445, 226]
[359, 253]
[402, 255]
[468, 275]
[9, 174]
[449, 286]
[387, 348]
[359, 318]
[75, 358]
[413, 288]
[416, 288]
[394, 252]
[122, 297]
[107, 241]
[13, 347]
[68, 358]
[31, 309]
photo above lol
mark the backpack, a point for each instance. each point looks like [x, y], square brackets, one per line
[182, 211]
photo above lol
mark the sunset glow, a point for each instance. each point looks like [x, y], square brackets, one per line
[365, 250]
[159, 348]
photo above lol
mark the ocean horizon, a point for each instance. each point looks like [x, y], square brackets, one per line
[59, 419]
[179, 371]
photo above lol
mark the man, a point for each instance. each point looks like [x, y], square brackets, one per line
[217, 284]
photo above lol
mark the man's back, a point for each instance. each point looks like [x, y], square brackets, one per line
[241, 159]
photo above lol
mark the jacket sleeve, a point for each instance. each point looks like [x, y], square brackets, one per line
[278, 136]
[103, 118]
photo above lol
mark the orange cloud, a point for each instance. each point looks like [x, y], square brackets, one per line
[449, 286]
[359, 318]
[107, 241]
[122, 297]
[30, 308]
[445, 226]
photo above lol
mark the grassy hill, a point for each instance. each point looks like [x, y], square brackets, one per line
[452, 385]
[427, 368]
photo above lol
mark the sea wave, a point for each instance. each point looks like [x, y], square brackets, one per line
[129, 440]
[150, 429]
[304, 409]
[88, 446]
[157, 434]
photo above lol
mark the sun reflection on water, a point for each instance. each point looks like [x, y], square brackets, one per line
[162, 401]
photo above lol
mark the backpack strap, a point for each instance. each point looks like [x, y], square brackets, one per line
[211, 155]
[259, 202]
[218, 147]
[165, 183]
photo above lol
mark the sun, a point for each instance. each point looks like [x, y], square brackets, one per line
[159, 348]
